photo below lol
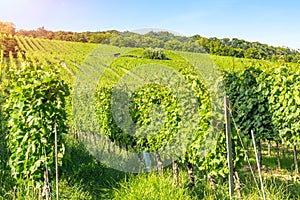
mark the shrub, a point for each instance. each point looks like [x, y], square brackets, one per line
[156, 53]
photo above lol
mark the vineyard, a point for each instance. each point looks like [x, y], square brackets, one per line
[102, 114]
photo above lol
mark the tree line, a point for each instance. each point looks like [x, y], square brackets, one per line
[244, 49]
[224, 47]
[9, 28]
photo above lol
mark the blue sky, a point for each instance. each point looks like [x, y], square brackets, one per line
[268, 21]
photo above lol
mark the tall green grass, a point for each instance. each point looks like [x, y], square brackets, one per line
[83, 177]
[151, 186]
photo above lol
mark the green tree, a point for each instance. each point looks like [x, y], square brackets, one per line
[204, 43]
[154, 54]
[173, 45]
[7, 28]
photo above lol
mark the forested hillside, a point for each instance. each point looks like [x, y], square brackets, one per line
[217, 46]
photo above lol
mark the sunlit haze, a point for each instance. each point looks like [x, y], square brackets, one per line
[269, 21]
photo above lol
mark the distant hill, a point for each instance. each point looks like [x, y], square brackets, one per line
[157, 30]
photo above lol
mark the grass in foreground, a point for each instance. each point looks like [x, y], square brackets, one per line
[83, 177]
[153, 186]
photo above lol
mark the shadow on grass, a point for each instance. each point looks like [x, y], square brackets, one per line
[83, 171]
[81, 176]
[275, 187]
[270, 161]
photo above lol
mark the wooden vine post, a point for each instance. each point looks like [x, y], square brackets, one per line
[296, 160]
[191, 175]
[160, 167]
[175, 172]
[278, 155]
[56, 160]
[229, 147]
